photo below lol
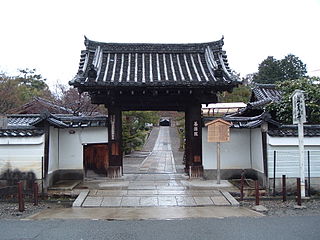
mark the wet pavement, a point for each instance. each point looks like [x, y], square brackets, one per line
[152, 190]
[156, 190]
[145, 213]
[161, 158]
[156, 184]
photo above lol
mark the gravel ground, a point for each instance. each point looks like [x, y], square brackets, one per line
[11, 210]
[279, 208]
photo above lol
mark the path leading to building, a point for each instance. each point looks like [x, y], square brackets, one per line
[155, 183]
[161, 158]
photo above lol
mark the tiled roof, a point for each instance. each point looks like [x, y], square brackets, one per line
[248, 122]
[80, 121]
[263, 94]
[239, 120]
[38, 105]
[27, 125]
[21, 132]
[292, 131]
[22, 120]
[119, 64]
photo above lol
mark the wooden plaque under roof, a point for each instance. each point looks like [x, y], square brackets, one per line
[218, 131]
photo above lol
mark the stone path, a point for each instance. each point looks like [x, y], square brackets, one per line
[161, 158]
[153, 190]
[156, 185]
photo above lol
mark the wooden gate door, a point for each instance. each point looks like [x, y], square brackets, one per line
[96, 158]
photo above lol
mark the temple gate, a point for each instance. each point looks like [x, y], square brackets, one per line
[159, 77]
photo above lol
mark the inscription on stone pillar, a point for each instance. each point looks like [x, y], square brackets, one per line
[195, 129]
[113, 123]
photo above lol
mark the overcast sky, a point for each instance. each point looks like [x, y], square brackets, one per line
[49, 35]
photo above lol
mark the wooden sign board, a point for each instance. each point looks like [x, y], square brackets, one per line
[298, 107]
[218, 131]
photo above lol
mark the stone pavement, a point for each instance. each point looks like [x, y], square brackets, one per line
[156, 184]
[151, 189]
[143, 213]
[154, 190]
[161, 158]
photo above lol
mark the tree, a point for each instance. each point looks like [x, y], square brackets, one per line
[282, 111]
[268, 71]
[31, 84]
[134, 128]
[18, 90]
[79, 103]
[9, 94]
[292, 67]
[239, 94]
[272, 70]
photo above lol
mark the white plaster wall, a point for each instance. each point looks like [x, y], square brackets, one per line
[287, 156]
[24, 154]
[293, 141]
[94, 135]
[53, 149]
[256, 149]
[71, 145]
[234, 154]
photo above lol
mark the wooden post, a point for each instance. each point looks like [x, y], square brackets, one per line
[194, 139]
[274, 172]
[299, 117]
[218, 131]
[46, 156]
[301, 155]
[299, 191]
[241, 186]
[257, 192]
[115, 141]
[20, 196]
[309, 176]
[284, 188]
[187, 133]
[35, 194]
[218, 163]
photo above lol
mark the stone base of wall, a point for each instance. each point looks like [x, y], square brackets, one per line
[65, 174]
[227, 174]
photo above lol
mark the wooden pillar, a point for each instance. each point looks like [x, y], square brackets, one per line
[194, 140]
[187, 143]
[46, 156]
[115, 142]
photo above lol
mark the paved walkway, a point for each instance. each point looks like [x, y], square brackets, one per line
[161, 158]
[130, 213]
[156, 185]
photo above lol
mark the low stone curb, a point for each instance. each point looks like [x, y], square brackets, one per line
[231, 199]
[80, 199]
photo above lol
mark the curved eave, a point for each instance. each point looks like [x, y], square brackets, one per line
[111, 65]
[91, 85]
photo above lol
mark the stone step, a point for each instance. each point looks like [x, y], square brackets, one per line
[154, 201]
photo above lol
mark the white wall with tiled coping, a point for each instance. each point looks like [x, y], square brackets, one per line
[65, 149]
[243, 151]
[286, 150]
[22, 153]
